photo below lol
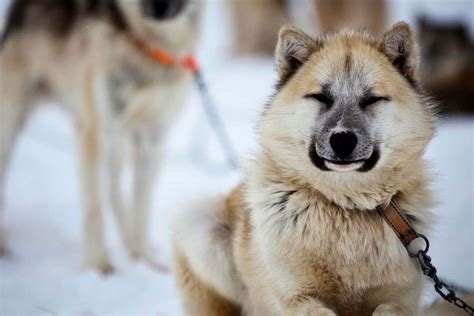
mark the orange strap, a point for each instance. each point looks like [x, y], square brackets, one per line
[163, 57]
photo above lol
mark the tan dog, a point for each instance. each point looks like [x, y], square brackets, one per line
[344, 133]
[84, 54]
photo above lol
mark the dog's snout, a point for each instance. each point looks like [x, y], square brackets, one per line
[163, 9]
[343, 143]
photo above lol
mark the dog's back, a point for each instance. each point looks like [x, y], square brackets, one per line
[58, 17]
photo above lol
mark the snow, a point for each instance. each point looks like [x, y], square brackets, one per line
[42, 274]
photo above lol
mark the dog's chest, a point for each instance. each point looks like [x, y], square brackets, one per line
[331, 251]
[129, 78]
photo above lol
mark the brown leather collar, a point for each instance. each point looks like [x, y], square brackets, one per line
[395, 216]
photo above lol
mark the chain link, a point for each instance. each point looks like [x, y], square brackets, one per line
[446, 292]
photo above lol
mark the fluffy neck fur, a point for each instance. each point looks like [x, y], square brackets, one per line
[408, 184]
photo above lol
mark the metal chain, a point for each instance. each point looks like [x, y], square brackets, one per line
[445, 291]
[215, 120]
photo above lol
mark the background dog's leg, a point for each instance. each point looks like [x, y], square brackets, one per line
[148, 116]
[119, 207]
[14, 107]
[147, 156]
[95, 254]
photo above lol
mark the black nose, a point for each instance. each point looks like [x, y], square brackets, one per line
[163, 9]
[343, 143]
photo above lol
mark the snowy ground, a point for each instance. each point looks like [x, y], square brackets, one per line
[42, 273]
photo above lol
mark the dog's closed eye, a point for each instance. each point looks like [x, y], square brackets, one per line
[321, 98]
[372, 100]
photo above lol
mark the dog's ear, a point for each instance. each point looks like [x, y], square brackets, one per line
[293, 49]
[400, 46]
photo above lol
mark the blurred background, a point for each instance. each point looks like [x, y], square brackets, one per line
[42, 275]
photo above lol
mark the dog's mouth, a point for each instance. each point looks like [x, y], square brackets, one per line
[343, 165]
[361, 165]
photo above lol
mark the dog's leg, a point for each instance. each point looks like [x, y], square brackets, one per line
[95, 254]
[119, 207]
[148, 116]
[14, 109]
[147, 156]
[89, 134]
[203, 259]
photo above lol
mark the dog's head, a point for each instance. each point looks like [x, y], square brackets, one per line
[346, 105]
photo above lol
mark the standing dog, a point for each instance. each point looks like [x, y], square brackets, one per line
[344, 133]
[89, 55]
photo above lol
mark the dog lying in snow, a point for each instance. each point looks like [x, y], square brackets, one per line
[344, 133]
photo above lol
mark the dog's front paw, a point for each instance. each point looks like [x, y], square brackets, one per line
[323, 312]
[147, 256]
[311, 311]
[305, 306]
[104, 268]
[388, 310]
[98, 261]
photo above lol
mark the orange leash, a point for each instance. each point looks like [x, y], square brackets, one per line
[164, 58]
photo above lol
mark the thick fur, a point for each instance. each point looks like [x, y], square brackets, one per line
[81, 54]
[298, 238]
